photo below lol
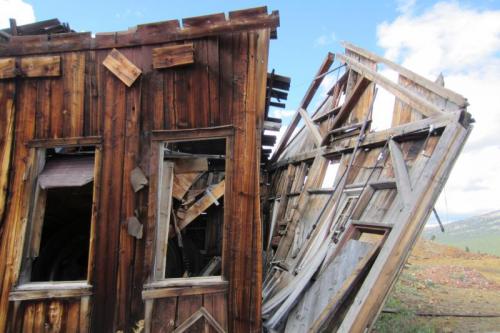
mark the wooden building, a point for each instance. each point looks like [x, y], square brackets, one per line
[136, 195]
[115, 144]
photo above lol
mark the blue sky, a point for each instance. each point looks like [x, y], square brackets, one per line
[459, 38]
[298, 50]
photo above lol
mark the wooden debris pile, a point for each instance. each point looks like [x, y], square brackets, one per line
[347, 198]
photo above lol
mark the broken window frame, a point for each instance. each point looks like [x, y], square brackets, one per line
[160, 139]
[24, 286]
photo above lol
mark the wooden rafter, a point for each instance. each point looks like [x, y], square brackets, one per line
[401, 172]
[418, 103]
[313, 87]
[428, 84]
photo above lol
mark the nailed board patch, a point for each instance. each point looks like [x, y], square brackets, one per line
[123, 68]
[174, 55]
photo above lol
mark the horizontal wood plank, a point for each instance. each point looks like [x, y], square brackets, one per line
[173, 55]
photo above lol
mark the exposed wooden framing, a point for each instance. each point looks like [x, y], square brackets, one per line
[350, 102]
[418, 103]
[311, 126]
[444, 155]
[374, 199]
[428, 84]
[311, 91]
[401, 172]
[373, 139]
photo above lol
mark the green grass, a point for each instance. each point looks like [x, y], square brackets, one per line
[404, 321]
[489, 243]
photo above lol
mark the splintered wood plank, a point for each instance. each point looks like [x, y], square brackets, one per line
[173, 55]
[123, 68]
[201, 205]
[183, 182]
[7, 68]
[191, 165]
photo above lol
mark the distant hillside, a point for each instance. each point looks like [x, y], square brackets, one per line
[478, 233]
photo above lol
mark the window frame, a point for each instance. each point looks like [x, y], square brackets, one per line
[159, 139]
[34, 223]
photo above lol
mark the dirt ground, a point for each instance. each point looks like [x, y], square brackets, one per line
[444, 279]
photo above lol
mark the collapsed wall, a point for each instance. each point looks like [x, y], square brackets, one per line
[347, 201]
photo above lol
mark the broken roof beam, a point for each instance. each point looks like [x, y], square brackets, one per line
[212, 195]
[420, 104]
[311, 91]
[450, 95]
[374, 139]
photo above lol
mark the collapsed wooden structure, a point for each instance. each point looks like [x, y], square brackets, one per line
[336, 243]
[139, 190]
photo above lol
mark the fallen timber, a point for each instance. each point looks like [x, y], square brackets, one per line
[336, 250]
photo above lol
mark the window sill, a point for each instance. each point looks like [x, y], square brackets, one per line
[49, 290]
[184, 287]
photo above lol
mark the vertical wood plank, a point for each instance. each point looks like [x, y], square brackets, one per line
[7, 107]
[200, 91]
[186, 306]
[17, 211]
[43, 108]
[213, 79]
[226, 79]
[164, 313]
[128, 202]
[56, 106]
[74, 85]
[72, 321]
[29, 318]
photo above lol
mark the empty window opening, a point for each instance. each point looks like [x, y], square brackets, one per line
[61, 216]
[330, 174]
[196, 216]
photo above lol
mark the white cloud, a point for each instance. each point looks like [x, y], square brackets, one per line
[18, 9]
[325, 39]
[282, 114]
[464, 44]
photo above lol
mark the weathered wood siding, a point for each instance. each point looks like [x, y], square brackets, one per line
[224, 86]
